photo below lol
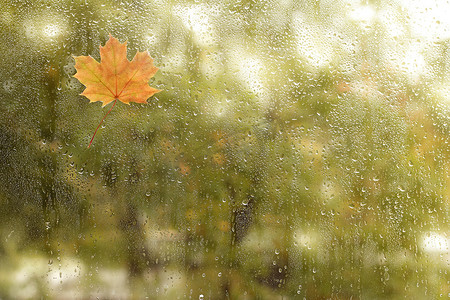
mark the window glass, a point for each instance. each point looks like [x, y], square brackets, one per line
[296, 150]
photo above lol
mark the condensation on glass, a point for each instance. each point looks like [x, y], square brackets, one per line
[298, 150]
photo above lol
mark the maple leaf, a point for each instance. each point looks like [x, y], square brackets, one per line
[115, 77]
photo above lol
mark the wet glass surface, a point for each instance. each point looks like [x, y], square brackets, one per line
[297, 150]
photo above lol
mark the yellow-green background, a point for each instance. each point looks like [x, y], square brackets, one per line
[298, 150]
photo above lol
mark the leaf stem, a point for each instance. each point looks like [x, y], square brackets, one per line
[102, 122]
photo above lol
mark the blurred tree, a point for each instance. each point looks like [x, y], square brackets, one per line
[292, 153]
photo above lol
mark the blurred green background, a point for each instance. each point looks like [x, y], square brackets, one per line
[298, 150]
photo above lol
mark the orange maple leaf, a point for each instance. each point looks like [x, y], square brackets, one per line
[115, 77]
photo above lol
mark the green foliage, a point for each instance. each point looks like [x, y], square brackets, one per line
[256, 173]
